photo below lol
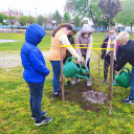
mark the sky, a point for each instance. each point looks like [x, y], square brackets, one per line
[43, 6]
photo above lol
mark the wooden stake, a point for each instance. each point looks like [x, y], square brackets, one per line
[62, 80]
[111, 78]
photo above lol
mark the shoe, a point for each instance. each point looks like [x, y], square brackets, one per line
[89, 83]
[69, 84]
[33, 116]
[113, 81]
[127, 100]
[104, 81]
[60, 91]
[44, 120]
[76, 80]
[127, 97]
[58, 94]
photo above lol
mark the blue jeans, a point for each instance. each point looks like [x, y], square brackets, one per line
[56, 66]
[36, 93]
[131, 96]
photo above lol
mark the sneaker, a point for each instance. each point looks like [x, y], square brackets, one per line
[76, 80]
[113, 81]
[127, 100]
[104, 81]
[89, 83]
[127, 97]
[69, 84]
[58, 94]
[33, 116]
[44, 120]
[61, 91]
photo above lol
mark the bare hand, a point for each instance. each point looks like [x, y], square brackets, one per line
[116, 72]
[79, 61]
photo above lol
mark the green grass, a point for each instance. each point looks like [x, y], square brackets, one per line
[68, 117]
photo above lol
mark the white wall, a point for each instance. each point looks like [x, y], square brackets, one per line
[128, 29]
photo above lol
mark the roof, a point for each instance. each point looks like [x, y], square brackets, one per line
[11, 21]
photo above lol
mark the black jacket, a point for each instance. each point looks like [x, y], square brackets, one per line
[127, 55]
[104, 45]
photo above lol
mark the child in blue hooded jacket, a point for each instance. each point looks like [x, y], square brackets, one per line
[35, 71]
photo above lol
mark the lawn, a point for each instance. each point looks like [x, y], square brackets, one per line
[69, 117]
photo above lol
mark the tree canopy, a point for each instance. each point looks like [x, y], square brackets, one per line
[126, 16]
[40, 20]
[57, 17]
[66, 17]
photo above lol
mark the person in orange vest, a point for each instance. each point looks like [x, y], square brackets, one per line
[60, 34]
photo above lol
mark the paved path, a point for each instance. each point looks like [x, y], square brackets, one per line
[6, 41]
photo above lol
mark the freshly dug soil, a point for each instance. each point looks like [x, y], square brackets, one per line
[75, 94]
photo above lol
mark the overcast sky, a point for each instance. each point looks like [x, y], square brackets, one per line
[43, 6]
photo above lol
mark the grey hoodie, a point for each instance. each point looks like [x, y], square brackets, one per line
[82, 40]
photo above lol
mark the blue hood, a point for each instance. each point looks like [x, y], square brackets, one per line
[34, 34]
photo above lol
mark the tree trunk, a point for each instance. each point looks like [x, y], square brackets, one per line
[131, 28]
[109, 27]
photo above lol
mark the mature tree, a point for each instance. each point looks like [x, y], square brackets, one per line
[87, 8]
[66, 17]
[126, 16]
[110, 9]
[57, 17]
[31, 20]
[23, 20]
[77, 21]
[69, 7]
[3, 17]
[105, 23]
[40, 20]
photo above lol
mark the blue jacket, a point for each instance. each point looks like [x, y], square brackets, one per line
[35, 69]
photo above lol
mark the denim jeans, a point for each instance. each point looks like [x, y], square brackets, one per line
[36, 93]
[131, 96]
[56, 66]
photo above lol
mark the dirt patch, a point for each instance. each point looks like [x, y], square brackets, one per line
[11, 60]
[75, 94]
[95, 96]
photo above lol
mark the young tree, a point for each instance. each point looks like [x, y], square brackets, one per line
[57, 17]
[45, 21]
[23, 20]
[66, 17]
[126, 16]
[40, 20]
[87, 8]
[110, 9]
[77, 21]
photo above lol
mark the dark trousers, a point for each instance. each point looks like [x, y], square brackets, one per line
[36, 94]
[106, 66]
[131, 96]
